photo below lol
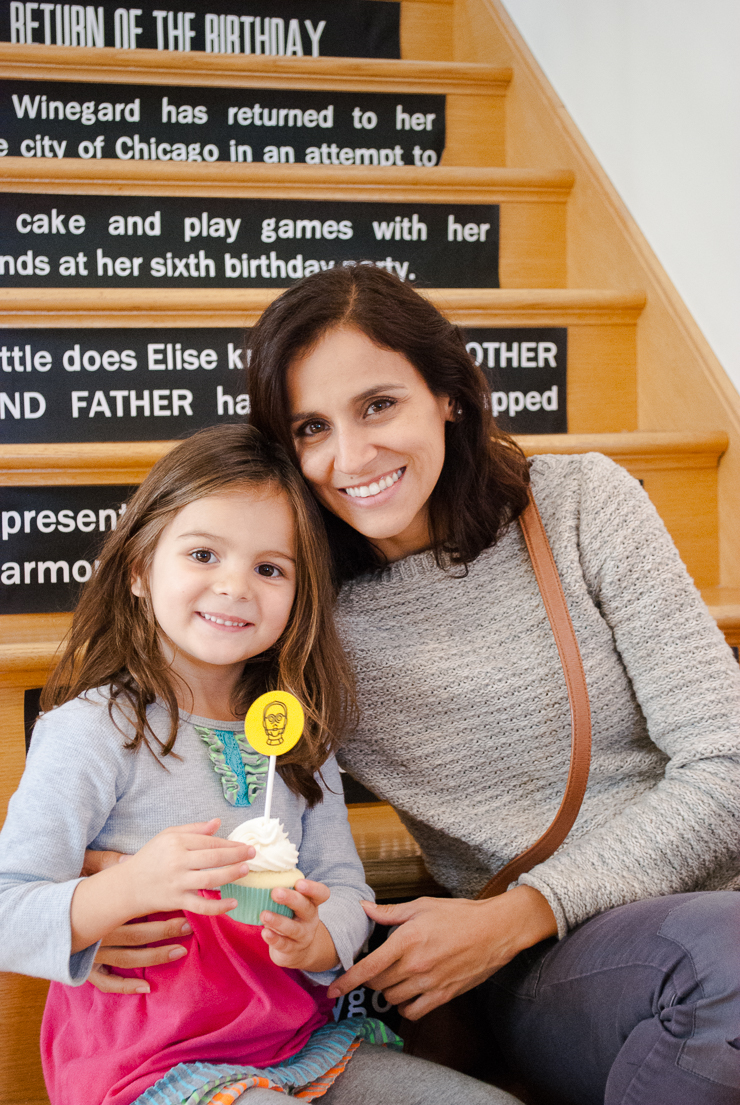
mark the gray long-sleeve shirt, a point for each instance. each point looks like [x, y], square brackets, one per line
[82, 789]
[465, 720]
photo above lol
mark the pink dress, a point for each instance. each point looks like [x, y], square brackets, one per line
[224, 1002]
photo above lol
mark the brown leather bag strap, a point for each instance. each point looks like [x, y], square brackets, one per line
[551, 589]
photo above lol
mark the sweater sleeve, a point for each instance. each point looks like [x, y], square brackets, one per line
[65, 796]
[683, 833]
[328, 855]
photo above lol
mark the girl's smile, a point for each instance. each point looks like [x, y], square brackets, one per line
[221, 585]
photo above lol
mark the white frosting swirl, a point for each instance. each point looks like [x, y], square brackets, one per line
[267, 836]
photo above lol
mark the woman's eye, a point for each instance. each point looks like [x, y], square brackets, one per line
[311, 429]
[270, 571]
[203, 556]
[379, 405]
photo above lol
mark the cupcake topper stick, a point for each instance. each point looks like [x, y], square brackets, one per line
[273, 726]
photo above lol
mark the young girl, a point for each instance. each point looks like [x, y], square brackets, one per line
[213, 590]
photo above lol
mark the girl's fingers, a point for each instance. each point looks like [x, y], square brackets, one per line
[279, 943]
[202, 859]
[282, 925]
[316, 892]
[213, 878]
[209, 907]
[303, 908]
[203, 828]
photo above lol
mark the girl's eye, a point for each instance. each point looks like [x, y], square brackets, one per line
[270, 571]
[312, 428]
[203, 556]
[379, 405]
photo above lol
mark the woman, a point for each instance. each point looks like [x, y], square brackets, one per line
[465, 720]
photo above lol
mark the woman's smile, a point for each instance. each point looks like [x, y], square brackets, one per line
[371, 493]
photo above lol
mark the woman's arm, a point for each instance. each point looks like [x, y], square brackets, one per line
[680, 834]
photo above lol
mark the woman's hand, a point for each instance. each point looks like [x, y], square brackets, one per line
[166, 874]
[302, 942]
[445, 946]
[98, 861]
[122, 947]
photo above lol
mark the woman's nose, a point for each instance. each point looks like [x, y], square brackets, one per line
[352, 451]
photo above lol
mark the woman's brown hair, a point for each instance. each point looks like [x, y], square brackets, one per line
[114, 640]
[484, 479]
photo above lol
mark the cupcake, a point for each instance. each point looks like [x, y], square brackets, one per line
[273, 865]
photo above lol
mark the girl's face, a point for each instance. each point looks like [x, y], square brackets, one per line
[222, 582]
[370, 437]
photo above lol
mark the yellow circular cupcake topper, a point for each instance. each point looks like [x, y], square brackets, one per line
[274, 723]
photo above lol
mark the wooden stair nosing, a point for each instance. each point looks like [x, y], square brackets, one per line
[106, 462]
[29, 642]
[645, 449]
[159, 67]
[44, 307]
[406, 184]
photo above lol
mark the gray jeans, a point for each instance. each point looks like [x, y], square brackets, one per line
[638, 1006]
[377, 1076]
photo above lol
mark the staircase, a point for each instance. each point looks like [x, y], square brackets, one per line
[643, 385]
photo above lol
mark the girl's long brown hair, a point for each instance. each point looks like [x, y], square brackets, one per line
[114, 639]
[484, 481]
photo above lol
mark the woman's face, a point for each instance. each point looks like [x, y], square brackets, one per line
[370, 437]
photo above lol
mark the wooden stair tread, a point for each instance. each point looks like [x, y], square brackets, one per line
[107, 64]
[29, 642]
[724, 606]
[390, 855]
[261, 180]
[242, 307]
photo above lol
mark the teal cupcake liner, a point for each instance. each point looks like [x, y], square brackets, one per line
[252, 900]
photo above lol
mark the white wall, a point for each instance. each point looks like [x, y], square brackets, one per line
[654, 86]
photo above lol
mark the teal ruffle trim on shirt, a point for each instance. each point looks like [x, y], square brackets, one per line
[243, 772]
[308, 1074]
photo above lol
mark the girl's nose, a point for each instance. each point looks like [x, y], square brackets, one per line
[235, 583]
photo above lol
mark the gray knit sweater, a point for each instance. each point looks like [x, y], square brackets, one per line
[465, 722]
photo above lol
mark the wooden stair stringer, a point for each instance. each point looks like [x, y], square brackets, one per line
[681, 384]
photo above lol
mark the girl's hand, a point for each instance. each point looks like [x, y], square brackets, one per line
[173, 866]
[444, 947]
[166, 874]
[302, 942]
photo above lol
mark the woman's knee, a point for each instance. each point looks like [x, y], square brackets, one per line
[707, 927]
